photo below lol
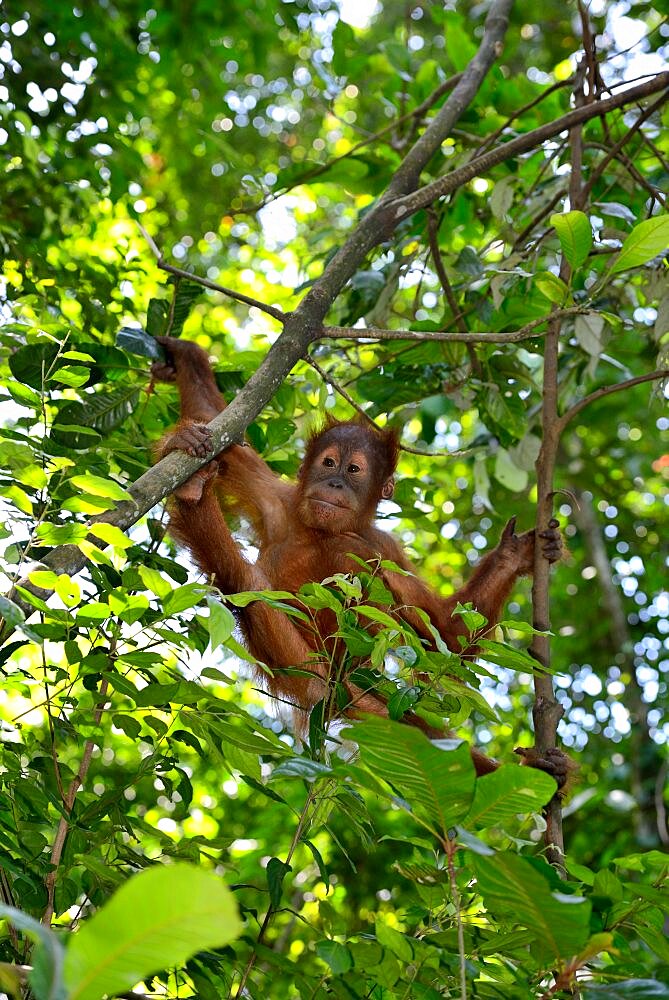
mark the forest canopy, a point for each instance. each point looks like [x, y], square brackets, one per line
[448, 220]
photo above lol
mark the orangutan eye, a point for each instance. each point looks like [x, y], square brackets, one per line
[330, 462]
[354, 468]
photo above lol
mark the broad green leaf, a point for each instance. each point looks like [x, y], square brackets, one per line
[157, 920]
[61, 534]
[10, 612]
[34, 363]
[78, 425]
[514, 890]
[507, 472]
[71, 375]
[68, 590]
[377, 615]
[509, 791]
[183, 597]
[18, 497]
[646, 241]
[301, 767]
[438, 784]
[336, 955]
[575, 234]
[100, 487]
[156, 320]
[394, 941]
[154, 581]
[45, 579]
[110, 534]
[221, 622]
[95, 611]
[46, 977]
[552, 287]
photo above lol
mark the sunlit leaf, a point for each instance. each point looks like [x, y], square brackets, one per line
[156, 920]
[646, 241]
[575, 234]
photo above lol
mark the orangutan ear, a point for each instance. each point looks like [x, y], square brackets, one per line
[388, 489]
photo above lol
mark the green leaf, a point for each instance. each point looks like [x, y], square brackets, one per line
[588, 330]
[276, 873]
[186, 293]
[77, 423]
[221, 622]
[156, 317]
[110, 534]
[513, 889]
[508, 792]
[34, 363]
[552, 287]
[46, 977]
[61, 534]
[575, 234]
[12, 613]
[158, 919]
[646, 241]
[100, 487]
[183, 597]
[336, 955]
[438, 784]
[395, 942]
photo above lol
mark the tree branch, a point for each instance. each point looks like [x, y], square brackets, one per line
[411, 203]
[607, 390]
[302, 326]
[68, 805]
[214, 286]
[524, 333]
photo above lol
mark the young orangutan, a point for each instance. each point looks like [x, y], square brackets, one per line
[307, 531]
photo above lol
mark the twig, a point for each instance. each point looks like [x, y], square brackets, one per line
[270, 909]
[613, 152]
[214, 286]
[450, 847]
[524, 333]
[491, 139]
[606, 390]
[425, 196]
[68, 804]
[338, 388]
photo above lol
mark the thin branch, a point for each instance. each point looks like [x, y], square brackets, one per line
[491, 139]
[322, 168]
[425, 196]
[607, 390]
[68, 805]
[213, 285]
[524, 333]
[613, 152]
[338, 388]
[547, 711]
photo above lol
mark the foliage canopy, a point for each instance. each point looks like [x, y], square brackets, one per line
[375, 208]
